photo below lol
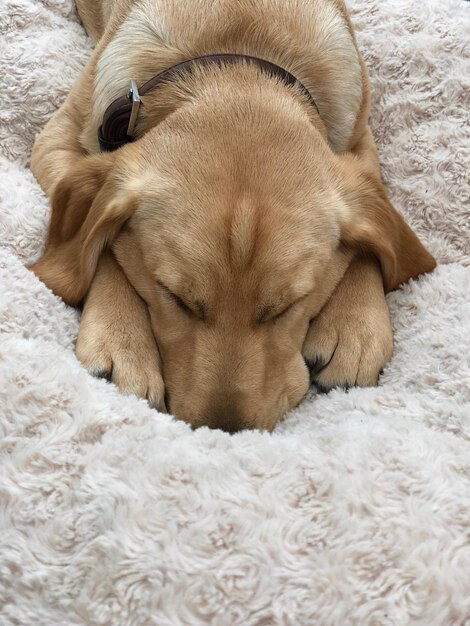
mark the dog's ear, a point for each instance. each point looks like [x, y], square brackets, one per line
[88, 209]
[370, 223]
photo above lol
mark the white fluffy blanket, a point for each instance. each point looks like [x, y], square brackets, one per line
[355, 511]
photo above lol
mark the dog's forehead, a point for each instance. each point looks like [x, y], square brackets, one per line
[249, 217]
[244, 242]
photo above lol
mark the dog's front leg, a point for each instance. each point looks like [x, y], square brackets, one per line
[351, 340]
[115, 340]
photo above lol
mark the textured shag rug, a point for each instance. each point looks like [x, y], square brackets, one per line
[356, 510]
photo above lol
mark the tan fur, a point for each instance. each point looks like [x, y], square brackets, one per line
[238, 216]
[118, 344]
[348, 343]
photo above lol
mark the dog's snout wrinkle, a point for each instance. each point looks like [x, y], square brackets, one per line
[166, 402]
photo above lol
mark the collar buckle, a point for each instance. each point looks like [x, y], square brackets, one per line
[134, 97]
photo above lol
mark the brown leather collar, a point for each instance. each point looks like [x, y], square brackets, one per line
[121, 114]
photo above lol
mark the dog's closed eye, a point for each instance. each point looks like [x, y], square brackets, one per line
[269, 314]
[195, 309]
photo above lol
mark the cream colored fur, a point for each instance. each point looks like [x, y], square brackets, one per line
[323, 45]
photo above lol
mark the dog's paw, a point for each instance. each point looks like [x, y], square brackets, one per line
[348, 346]
[126, 356]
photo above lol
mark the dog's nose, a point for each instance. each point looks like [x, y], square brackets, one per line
[226, 425]
[225, 415]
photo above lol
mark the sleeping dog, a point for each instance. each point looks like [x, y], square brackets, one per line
[217, 206]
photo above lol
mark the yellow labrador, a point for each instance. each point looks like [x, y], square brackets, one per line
[222, 217]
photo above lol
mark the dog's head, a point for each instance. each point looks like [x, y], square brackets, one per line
[234, 223]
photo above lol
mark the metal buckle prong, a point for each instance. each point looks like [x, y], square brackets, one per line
[133, 95]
